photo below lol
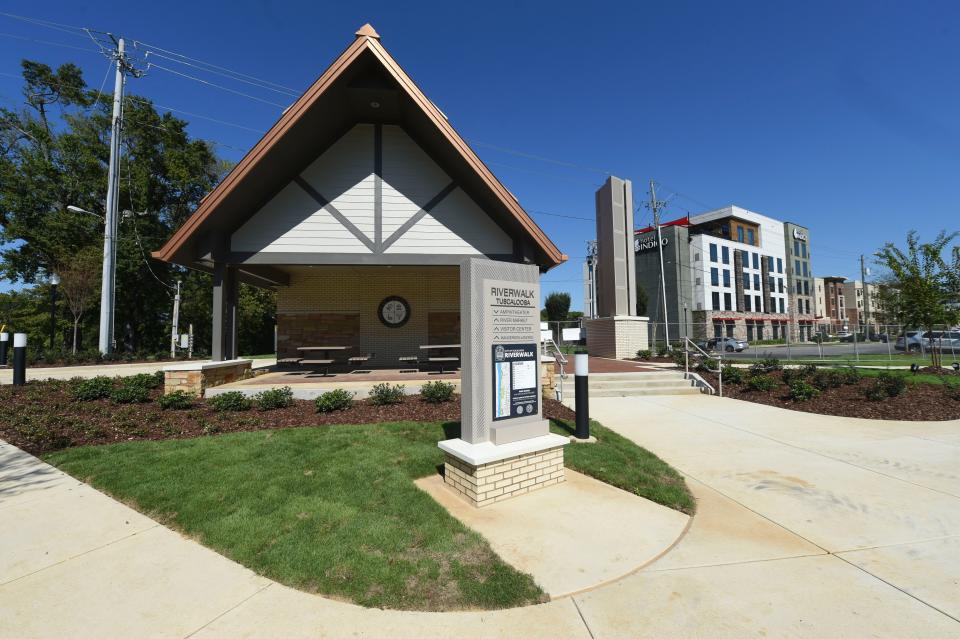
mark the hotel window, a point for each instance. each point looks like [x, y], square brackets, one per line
[803, 250]
[727, 306]
[805, 274]
[779, 265]
[757, 304]
[750, 237]
[696, 256]
[698, 281]
[756, 261]
[726, 278]
[740, 234]
[798, 287]
[796, 264]
[725, 252]
[746, 303]
[796, 247]
[756, 282]
[713, 252]
[808, 306]
[772, 286]
[746, 281]
[781, 305]
[729, 329]
[780, 284]
[806, 287]
[770, 263]
[717, 329]
[715, 298]
[714, 277]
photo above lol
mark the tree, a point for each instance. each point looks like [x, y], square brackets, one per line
[79, 283]
[925, 281]
[557, 306]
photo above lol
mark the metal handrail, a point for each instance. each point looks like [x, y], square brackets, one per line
[686, 361]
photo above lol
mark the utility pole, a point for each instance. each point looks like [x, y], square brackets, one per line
[109, 280]
[655, 206]
[866, 293]
[592, 277]
[174, 333]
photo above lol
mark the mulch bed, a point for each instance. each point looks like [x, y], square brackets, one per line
[920, 402]
[41, 417]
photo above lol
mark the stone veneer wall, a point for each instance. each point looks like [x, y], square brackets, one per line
[194, 382]
[616, 337]
[488, 483]
[337, 305]
[548, 379]
[703, 324]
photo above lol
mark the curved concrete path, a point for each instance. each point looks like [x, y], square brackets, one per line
[807, 526]
[110, 370]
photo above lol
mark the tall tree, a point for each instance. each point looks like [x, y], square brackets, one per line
[557, 305]
[924, 280]
[79, 283]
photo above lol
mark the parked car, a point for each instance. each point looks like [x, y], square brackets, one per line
[910, 341]
[850, 337]
[879, 337]
[728, 344]
[942, 340]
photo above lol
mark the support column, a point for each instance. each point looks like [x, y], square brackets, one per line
[225, 321]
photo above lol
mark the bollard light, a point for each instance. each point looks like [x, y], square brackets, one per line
[19, 359]
[956, 367]
[4, 343]
[580, 372]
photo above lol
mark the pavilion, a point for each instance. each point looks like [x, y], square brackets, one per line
[358, 206]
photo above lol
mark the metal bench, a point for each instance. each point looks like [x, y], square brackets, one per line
[321, 363]
[360, 359]
[289, 360]
[442, 361]
[409, 360]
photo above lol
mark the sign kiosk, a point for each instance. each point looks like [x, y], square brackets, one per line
[502, 427]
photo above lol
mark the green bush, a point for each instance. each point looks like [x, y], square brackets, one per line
[230, 401]
[802, 391]
[86, 390]
[644, 354]
[951, 389]
[147, 380]
[679, 358]
[437, 392]
[177, 400]
[131, 390]
[874, 393]
[337, 399]
[708, 364]
[791, 375]
[849, 376]
[766, 365]
[383, 394]
[808, 369]
[892, 385]
[761, 383]
[824, 379]
[274, 398]
[663, 351]
[732, 375]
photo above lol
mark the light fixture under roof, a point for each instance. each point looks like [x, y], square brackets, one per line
[375, 104]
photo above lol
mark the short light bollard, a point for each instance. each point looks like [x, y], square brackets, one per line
[19, 359]
[4, 343]
[580, 372]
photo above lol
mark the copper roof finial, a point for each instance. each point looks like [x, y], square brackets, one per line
[367, 31]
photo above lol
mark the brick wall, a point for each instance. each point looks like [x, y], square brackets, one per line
[195, 382]
[322, 301]
[616, 337]
[488, 483]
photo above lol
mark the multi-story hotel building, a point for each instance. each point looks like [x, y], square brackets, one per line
[726, 274]
[831, 311]
[801, 306]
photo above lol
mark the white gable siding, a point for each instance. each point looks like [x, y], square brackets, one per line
[410, 179]
[293, 222]
[457, 225]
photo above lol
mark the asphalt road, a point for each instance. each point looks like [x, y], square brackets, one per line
[813, 351]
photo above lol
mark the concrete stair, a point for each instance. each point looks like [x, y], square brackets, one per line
[634, 384]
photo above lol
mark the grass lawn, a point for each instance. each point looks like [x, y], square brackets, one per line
[919, 378]
[334, 510]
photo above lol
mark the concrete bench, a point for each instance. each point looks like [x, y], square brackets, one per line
[321, 363]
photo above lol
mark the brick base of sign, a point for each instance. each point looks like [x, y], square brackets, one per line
[616, 337]
[496, 481]
[195, 378]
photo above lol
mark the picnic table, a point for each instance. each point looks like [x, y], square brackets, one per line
[438, 359]
[324, 360]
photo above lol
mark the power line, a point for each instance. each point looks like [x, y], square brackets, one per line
[286, 92]
[57, 26]
[47, 42]
[151, 65]
[541, 158]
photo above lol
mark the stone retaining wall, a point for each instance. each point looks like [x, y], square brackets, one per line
[196, 378]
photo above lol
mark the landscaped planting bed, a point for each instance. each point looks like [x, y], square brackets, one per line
[928, 395]
[326, 507]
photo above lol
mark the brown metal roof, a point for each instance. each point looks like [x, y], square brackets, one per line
[254, 179]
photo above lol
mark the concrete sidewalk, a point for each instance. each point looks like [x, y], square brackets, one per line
[110, 370]
[806, 527]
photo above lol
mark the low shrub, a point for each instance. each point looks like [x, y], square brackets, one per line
[337, 399]
[808, 369]
[824, 379]
[732, 375]
[664, 351]
[230, 401]
[761, 383]
[766, 365]
[130, 391]
[644, 354]
[951, 389]
[791, 375]
[849, 376]
[147, 380]
[274, 398]
[679, 358]
[177, 400]
[437, 392]
[802, 391]
[708, 364]
[383, 394]
[892, 385]
[884, 386]
[86, 390]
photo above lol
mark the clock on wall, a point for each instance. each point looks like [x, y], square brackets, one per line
[394, 311]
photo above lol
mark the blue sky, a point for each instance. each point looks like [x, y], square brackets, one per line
[839, 116]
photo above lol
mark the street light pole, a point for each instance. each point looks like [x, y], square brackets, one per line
[54, 281]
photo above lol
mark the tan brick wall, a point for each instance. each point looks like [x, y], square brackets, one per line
[548, 380]
[333, 293]
[195, 382]
[616, 338]
[489, 483]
